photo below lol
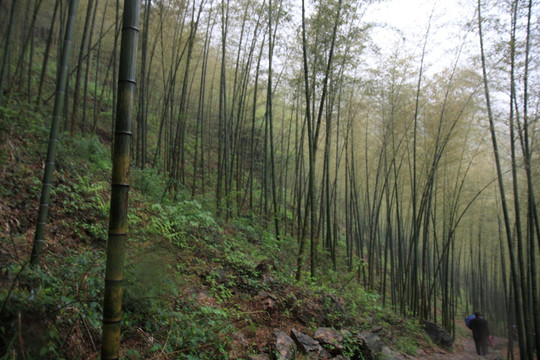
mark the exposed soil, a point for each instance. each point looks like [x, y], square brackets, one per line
[465, 349]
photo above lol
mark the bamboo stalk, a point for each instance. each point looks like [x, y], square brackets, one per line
[114, 273]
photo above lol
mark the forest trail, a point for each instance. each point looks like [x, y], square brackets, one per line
[465, 350]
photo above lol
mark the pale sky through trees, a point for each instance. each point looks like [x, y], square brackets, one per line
[399, 28]
[403, 24]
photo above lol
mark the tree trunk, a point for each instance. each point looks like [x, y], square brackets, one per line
[118, 218]
[44, 202]
[513, 266]
[79, 68]
[46, 53]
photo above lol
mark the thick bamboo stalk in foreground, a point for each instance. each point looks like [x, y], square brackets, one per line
[114, 274]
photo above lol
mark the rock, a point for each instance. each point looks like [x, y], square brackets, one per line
[221, 276]
[324, 311]
[268, 279]
[282, 347]
[268, 301]
[421, 352]
[325, 355]
[330, 303]
[305, 343]
[264, 268]
[200, 296]
[259, 357]
[239, 339]
[370, 345]
[389, 354]
[330, 339]
[305, 315]
[244, 285]
[332, 313]
[237, 345]
[377, 329]
[438, 335]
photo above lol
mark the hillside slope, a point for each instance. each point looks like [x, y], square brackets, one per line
[196, 287]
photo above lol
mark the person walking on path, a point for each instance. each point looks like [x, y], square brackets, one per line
[468, 319]
[480, 330]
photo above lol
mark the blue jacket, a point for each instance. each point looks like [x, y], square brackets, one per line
[468, 319]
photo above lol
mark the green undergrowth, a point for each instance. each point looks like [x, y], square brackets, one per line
[191, 280]
[51, 304]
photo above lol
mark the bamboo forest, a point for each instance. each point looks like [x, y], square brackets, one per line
[269, 179]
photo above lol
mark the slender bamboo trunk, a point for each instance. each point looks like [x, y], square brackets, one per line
[76, 95]
[44, 202]
[201, 109]
[46, 53]
[253, 120]
[513, 266]
[271, 120]
[5, 59]
[308, 212]
[517, 207]
[534, 225]
[115, 71]
[222, 128]
[88, 66]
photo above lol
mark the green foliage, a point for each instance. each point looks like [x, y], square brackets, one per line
[20, 121]
[180, 221]
[81, 201]
[177, 324]
[248, 230]
[196, 332]
[7, 116]
[352, 346]
[255, 242]
[406, 344]
[52, 303]
[148, 182]
[149, 277]
[221, 291]
[83, 154]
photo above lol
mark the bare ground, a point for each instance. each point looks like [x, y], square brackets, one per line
[465, 349]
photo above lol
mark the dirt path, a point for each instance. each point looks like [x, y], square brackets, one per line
[465, 350]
